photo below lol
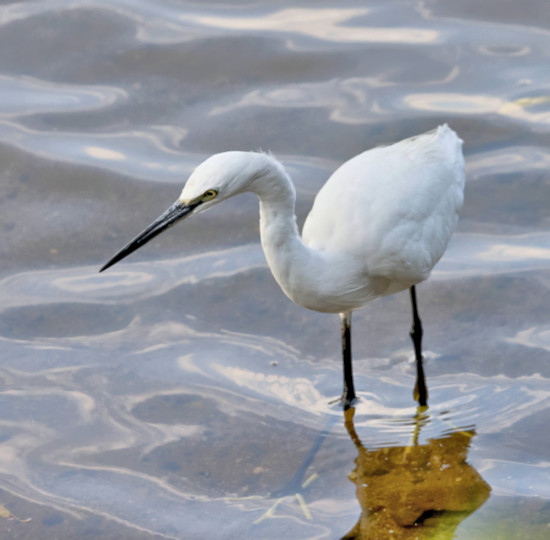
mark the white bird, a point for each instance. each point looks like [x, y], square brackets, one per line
[377, 227]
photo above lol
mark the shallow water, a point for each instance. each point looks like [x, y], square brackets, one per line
[180, 394]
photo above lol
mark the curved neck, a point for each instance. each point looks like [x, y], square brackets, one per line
[292, 263]
[316, 279]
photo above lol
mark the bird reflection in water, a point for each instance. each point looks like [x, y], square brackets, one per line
[419, 491]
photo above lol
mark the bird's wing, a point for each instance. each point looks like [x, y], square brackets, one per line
[394, 207]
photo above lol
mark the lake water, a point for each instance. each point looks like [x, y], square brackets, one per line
[181, 394]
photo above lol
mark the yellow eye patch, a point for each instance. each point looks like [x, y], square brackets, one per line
[209, 195]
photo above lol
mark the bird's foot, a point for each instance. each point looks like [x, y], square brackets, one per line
[348, 401]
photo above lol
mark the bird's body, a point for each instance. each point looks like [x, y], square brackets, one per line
[381, 222]
[377, 227]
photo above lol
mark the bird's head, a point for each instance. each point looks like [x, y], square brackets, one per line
[214, 180]
[221, 176]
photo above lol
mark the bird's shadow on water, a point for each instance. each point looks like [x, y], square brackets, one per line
[419, 490]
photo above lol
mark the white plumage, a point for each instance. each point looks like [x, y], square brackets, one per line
[391, 212]
[377, 227]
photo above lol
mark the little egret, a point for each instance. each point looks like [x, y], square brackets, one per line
[377, 227]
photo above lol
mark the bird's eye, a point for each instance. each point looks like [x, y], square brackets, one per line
[209, 195]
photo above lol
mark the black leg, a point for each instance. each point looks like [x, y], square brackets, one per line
[420, 389]
[348, 396]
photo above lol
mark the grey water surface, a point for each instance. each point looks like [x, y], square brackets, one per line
[178, 394]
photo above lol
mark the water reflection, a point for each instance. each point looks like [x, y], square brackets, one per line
[521, 109]
[418, 491]
[148, 154]
[331, 25]
[26, 96]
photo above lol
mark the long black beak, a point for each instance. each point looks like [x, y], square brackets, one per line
[176, 212]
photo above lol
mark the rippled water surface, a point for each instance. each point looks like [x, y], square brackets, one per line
[181, 394]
